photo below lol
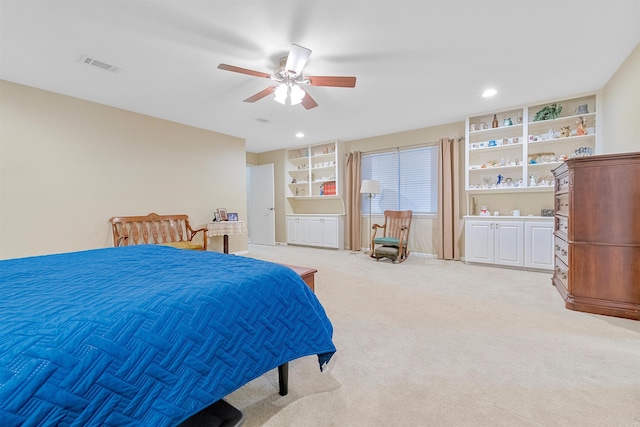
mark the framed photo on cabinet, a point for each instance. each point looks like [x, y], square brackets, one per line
[223, 214]
[232, 216]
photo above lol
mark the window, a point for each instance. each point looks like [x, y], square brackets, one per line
[408, 180]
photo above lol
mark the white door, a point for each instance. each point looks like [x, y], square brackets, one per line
[539, 250]
[479, 241]
[330, 232]
[304, 228]
[509, 243]
[293, 229]
[262, 218]
[316, 231]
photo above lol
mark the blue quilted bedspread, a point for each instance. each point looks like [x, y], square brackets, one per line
[145, 335]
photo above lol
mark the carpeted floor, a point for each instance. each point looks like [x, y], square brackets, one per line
[442, 343]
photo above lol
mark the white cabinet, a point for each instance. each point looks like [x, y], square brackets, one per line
[495, 242]
[539, 244]
[312, 171]
[314, 230]
[510, 241]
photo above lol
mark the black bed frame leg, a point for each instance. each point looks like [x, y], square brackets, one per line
[283, 378]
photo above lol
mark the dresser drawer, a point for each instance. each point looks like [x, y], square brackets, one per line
[562, 226]
[562, 204]
[561, 273]
[561, 249]
[562, 183]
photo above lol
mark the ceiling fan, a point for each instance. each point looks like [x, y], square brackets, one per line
[288, 79]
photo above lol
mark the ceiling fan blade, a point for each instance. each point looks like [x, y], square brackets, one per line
[297, 59]
[258, 96]
[243, 71]
[308, 102]
[334, 81]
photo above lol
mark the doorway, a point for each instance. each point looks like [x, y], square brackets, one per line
[261, 205]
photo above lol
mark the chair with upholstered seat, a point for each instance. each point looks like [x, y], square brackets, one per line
[394, 239]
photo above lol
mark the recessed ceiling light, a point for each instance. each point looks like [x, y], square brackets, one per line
[299, 135]
[489, 92]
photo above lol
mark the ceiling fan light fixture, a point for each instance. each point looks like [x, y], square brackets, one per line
[296, 95]
[288, 76]
[281, 93]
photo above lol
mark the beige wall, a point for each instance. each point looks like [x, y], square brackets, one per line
[621, 107]
[252, 159]
[68, 165]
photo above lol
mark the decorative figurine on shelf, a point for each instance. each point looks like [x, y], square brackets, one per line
[500, 178]
[532, 181]
[494, 123]
[293, 181]
[565, 131]
[508, 122]
[581, 123]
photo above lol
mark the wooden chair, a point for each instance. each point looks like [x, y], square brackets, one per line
[394, 241]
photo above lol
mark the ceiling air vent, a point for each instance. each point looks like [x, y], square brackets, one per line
[103, 65]
[261, 120]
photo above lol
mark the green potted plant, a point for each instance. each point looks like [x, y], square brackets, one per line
[548, 112]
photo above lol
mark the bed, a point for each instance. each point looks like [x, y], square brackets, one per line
[145, 335]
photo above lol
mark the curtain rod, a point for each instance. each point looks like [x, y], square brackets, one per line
[424, 144]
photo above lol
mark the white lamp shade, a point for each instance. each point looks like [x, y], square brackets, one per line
[296, 95]
[281, 93]
[370, 186]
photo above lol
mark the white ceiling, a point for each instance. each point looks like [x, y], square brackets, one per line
[417, 63]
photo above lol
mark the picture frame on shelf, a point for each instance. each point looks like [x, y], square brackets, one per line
[223, 214]
[232, 216]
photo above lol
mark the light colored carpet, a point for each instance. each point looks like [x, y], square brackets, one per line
[442, 343]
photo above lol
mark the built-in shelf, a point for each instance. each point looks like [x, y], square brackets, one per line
[312, 171]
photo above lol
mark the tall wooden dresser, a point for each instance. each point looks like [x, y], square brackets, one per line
[597, 234]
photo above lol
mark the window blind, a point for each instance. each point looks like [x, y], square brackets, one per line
[408, 180]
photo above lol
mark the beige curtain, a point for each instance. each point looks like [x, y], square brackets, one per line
[353, 201]
[448, 200]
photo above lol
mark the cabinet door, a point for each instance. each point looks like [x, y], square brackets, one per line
[315, 228]
[330, 232]
[539, 241]
[304, 231]
[479, 241]
[509, 243]
[293, 230]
